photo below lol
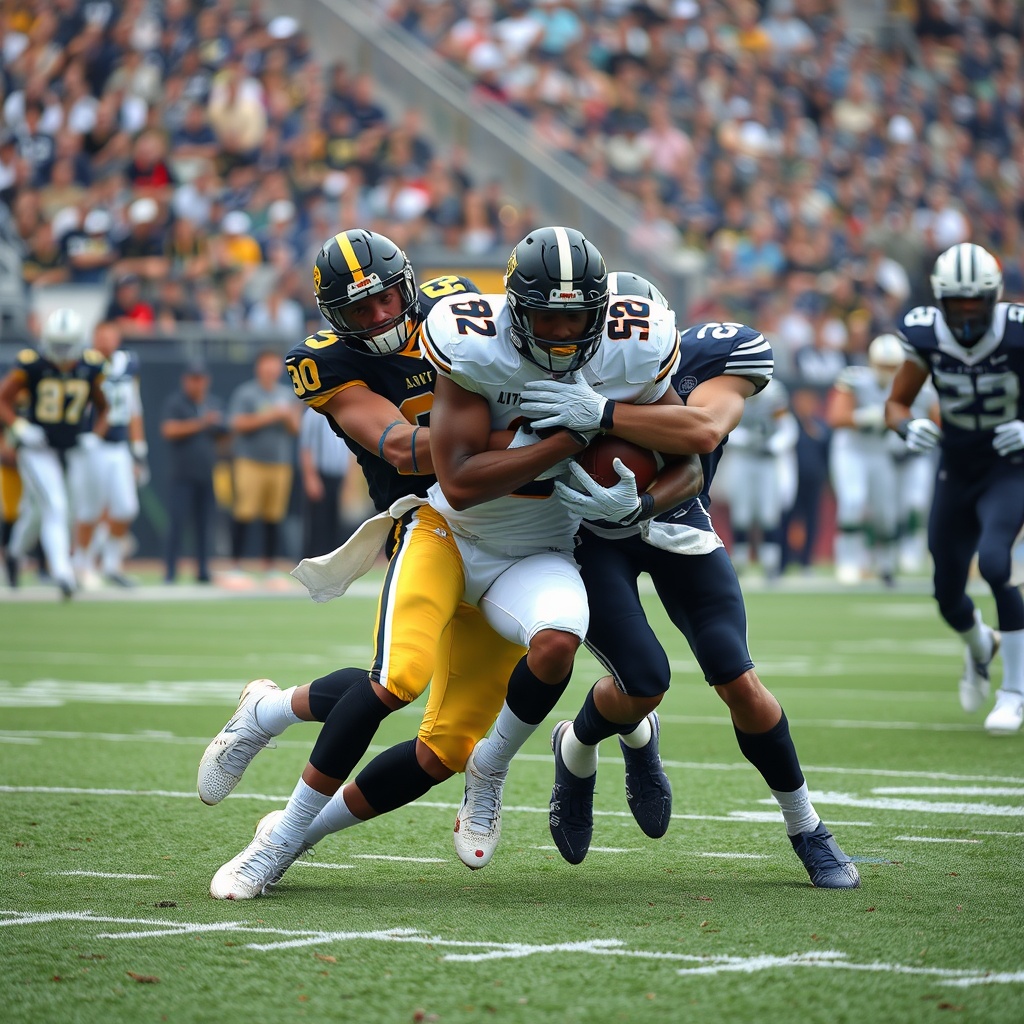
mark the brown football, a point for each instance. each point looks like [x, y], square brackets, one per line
[598, 456]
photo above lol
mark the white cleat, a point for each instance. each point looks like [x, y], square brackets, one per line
[974, 684]
[259, 866]
[478, 823]
[231, 751]
[1007, 716]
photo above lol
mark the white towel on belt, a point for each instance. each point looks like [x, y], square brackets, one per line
[329, 576]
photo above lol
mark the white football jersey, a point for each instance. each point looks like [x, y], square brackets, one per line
[469, 341]
[121, 388]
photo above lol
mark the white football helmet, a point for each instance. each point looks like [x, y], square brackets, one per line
[885, 357]
[967, 284]
[625, 282]
[63, 338]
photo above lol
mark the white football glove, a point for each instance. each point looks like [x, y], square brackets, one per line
[922, 435]
[523, 438]
[28, 435]
[1009, 437]
[870, 419]
[87, 441]
[570, 403]
[619, 503]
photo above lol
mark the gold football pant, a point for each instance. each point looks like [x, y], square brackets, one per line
[425, 633]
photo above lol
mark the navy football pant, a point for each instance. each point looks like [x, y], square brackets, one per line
[983, 515]
[700, 594]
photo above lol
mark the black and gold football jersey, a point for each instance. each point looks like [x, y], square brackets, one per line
[323, 365]
[58, 399]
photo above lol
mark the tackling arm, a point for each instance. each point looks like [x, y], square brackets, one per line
[469, 471]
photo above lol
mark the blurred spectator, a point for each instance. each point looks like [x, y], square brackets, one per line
[276, 310]
[142, 250]
[263, 415]
[127, 307]
[803, 522]
[191, 422]
[90, 251]
[323, 465]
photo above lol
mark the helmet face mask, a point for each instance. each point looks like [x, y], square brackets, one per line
[350, 268]
[555, 270]
[63, 337]
[967, 284]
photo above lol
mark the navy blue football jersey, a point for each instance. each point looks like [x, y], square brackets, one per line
[716, 350]
[978, 387]
[323, 365]
[59, 400]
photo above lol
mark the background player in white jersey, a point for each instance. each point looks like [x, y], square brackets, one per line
[760, 477]
[972, 347]
[59, 380]
[865, 462]
[108, 471]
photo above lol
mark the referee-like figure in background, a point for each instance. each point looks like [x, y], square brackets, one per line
[323, 464]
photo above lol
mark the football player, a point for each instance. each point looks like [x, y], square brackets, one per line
[721, 366]
[107, 472]
[971, 345]
[865, 463]
[478, 547]
[761, 473]
[62, 377]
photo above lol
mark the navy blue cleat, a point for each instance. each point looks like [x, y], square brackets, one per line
[571, 812]
[648, 791]
[827, 865]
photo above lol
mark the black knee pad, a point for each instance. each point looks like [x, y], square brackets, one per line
[394, 778]
[348, 730]
[326, 691]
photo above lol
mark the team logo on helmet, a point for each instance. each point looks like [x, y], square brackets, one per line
[316, 279]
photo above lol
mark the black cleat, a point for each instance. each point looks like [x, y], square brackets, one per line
[119, 580]
[571, 812]
[648, 791]
[827, 865]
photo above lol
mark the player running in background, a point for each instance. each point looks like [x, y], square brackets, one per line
[971, 345]
[61, 378]
[721, 366]
[865, 462]
[108, 471]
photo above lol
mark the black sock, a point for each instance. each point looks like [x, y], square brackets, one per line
[591, 726]
[348, 730]
[238, 529]
[394, 778]
[530, 699]
[270, 532]
[772, 753]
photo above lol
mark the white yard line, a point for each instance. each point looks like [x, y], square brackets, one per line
[456, 951]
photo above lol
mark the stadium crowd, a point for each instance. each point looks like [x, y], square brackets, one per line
[189, 158]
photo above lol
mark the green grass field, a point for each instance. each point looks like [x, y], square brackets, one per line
[107, 853]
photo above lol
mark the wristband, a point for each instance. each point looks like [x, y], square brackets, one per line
[387, 430]
[607, 414]
[902, 427]
[415, 464]
[645, 510]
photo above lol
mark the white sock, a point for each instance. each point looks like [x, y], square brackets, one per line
[979, 639]
[333, 818]
[113, 555]
[798, 810]
[1013, 661]
[640, 736]
[273, 713]
[579, 758]
[494, 754]
[303, 806]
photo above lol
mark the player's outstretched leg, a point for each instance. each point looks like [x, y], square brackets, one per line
[231, 751]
